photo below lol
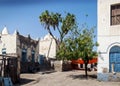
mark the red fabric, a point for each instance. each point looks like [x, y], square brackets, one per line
[94, 60]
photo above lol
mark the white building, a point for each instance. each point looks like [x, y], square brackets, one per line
[108, 38]
[47, 47]
[20, 46]
[27, 49]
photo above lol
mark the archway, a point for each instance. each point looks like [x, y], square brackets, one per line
[114, 59]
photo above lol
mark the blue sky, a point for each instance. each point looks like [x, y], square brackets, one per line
[23, 15]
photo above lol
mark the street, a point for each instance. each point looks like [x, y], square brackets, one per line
[68, 78]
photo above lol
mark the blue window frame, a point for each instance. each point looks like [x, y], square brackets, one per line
[4, 51]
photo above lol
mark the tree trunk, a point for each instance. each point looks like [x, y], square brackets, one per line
[49, 48]
[86, 63]
[86, 70]
[49, 31]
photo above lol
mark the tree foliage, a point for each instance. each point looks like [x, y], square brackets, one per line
[75, 43]
[55, 21]
[79, 44]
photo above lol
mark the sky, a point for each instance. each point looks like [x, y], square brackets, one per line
[23, 15]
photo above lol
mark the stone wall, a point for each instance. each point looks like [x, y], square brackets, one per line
[62, 66]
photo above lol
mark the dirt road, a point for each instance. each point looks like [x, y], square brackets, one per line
[69, 78]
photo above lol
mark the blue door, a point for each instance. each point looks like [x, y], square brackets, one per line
[41, 59]
[115, 58]
[33, 56]
[24, 55]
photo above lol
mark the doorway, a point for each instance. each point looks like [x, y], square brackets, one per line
[114, 56]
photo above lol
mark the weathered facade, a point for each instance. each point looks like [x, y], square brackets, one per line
[28, 50]
[108, 39]
[24, 48]
[17, 45]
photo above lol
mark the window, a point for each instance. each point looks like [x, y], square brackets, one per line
[24, 55]
[33, 56]
[115, 14]
[4, 51]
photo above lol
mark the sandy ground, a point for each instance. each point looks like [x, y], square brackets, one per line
[69, 78]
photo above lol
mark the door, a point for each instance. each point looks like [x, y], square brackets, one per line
[33, 56]
[24, 55]
[114, 59]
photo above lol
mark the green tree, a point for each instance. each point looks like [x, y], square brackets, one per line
[68, 49]
[87, 44]
[50, 20]
[80, 44]
[55, 21]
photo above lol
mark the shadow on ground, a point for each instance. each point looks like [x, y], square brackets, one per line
[24, 81]
[48, 72]
[83, 77]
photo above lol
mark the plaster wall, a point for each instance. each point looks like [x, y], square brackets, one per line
[108, 35]
[8, 42]
[47, 48]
